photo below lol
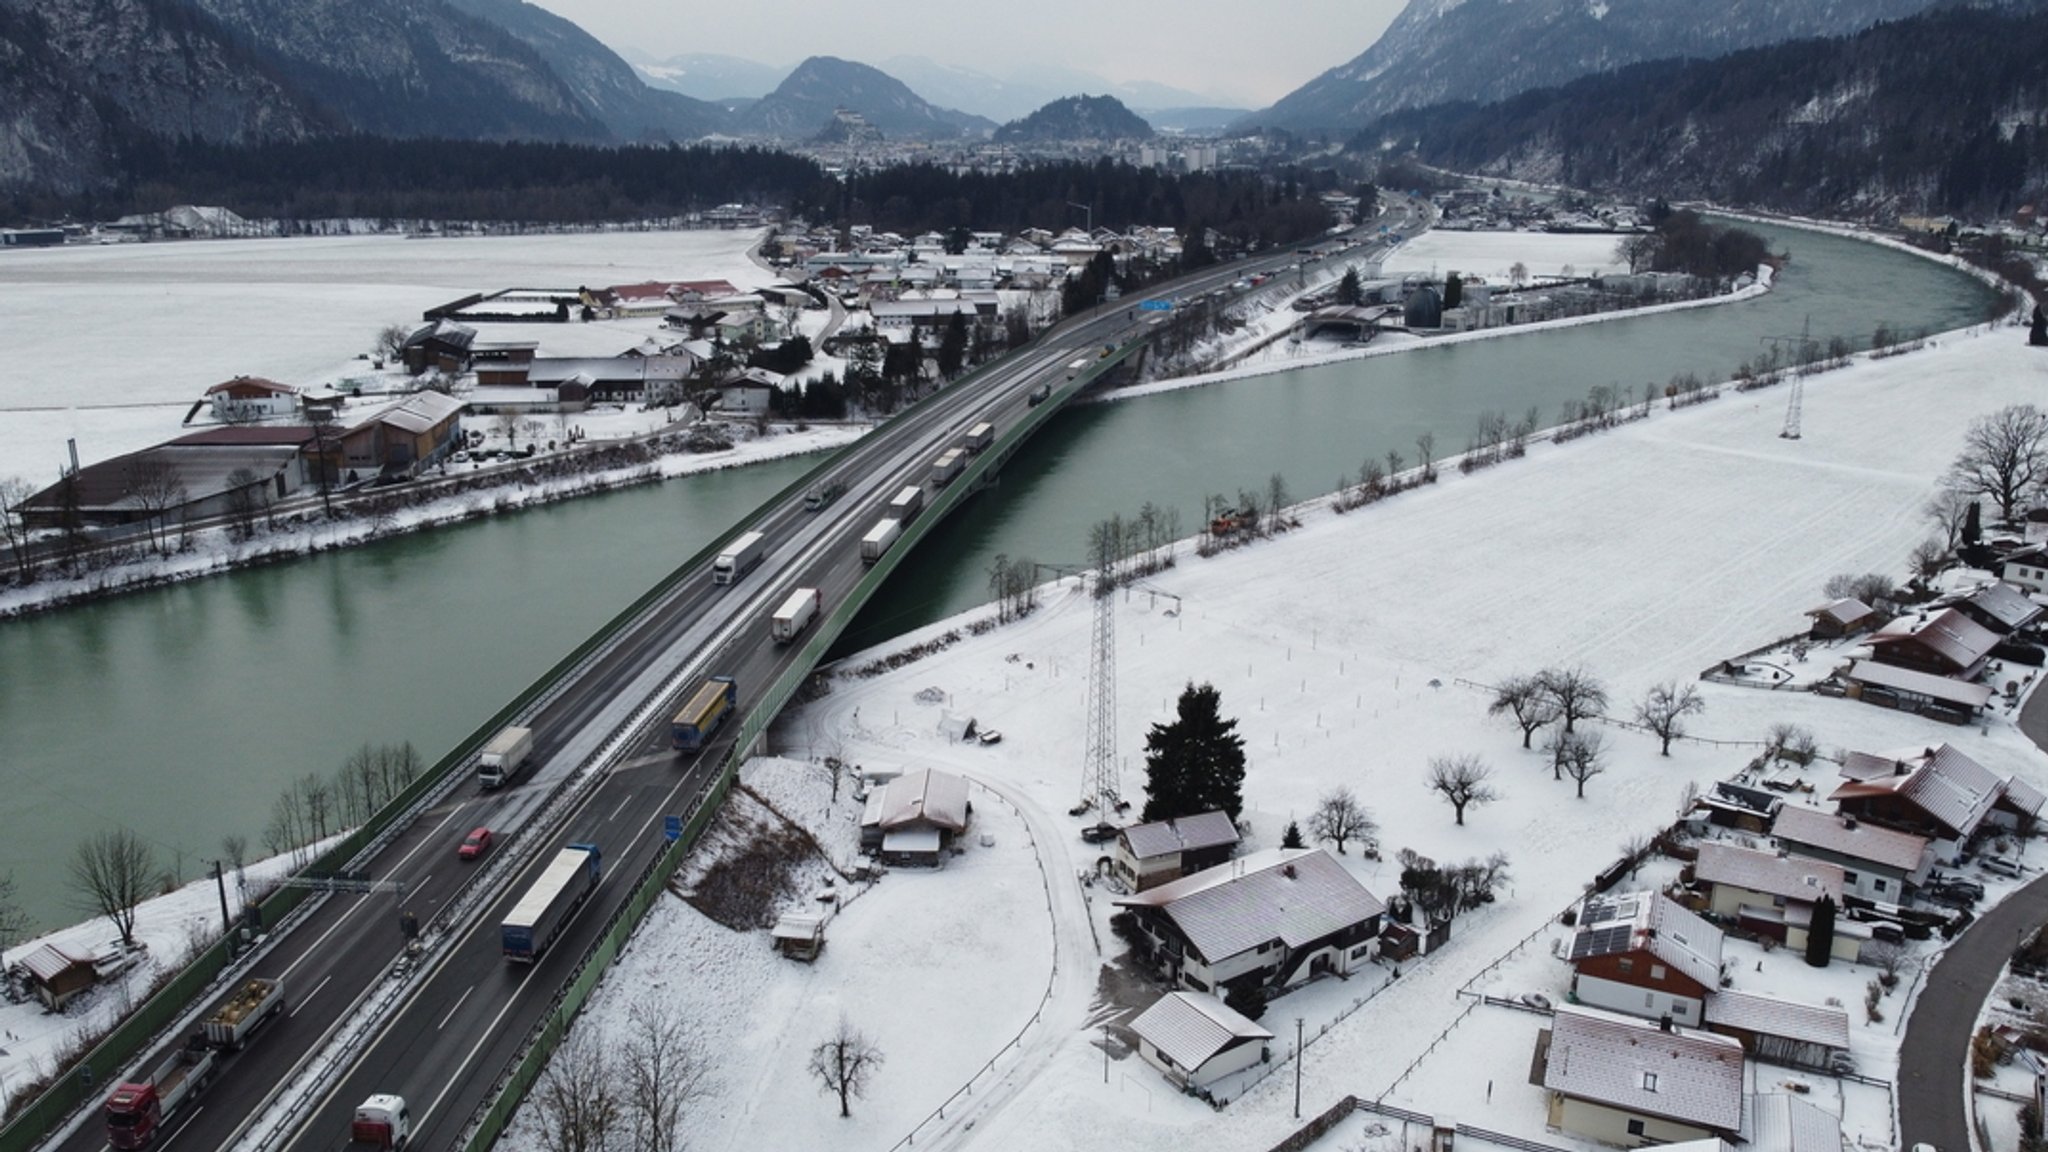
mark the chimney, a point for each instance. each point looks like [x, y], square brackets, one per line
[1287, 870]
[1849, 822]
[1664, 1022]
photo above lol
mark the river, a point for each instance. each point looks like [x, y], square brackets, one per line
[183, 712]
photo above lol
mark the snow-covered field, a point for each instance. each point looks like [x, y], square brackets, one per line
[112, 344]
[1350, 651]
[1494, 254]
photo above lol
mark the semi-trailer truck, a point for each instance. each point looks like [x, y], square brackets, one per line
[823, 494]
[878, 539]
[563, 886]
[979, 437]
[794, 616]
[383, 1122]
[701, 716]
[739, 558]
[257, 1000]
[504, 756]
[947, 467]
[136, 1112]
[905, 504]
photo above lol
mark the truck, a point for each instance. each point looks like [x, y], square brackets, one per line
[823, 494]
[563, 886]
[704, 712]
[905, 504]
[979, 437]
[257, 1000]
[1077, 367]
[794, 616]
[137, 1110]
[504, 756]
[878, 539]
[947, 467]
[739, 558]
[1040, 394]
[382, 1121]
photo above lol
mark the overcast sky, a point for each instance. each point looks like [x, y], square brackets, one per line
[1246, 52]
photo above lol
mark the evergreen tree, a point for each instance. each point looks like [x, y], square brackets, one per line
[1454, 291]
[1349, 291]
[1820, 935]
[1196, 763]
[1292, 837]
[953, 347]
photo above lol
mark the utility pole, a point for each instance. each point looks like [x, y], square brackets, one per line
[220, 882]
[1297, 1067]
[1795, 405]
[1099, 785]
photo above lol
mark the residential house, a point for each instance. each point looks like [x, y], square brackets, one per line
[749, 393]
[1643, 954]
[2027, 568]
[2001, 608]
[1781, 1031]
[1839, 618]
[1148, 855]
[654, 297]
[1272, 919]
[1768, 893]
[1197, 1040]
[404, 438]
[1942, 643]
[1738, 806]
[915, 818]
[1778, 1122]
[1936, 697]
[1628, 1083]
[1939, 793]
[441, 345]
[247, 398]
[1878, 864]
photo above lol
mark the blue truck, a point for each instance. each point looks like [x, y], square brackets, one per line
[554, 899]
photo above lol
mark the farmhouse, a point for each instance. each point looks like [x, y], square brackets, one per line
[1839, 618]
[1943, 643]
[1767, 893]
[1625, 1082]
[1148, 855]
[443, 345]
[404, 438]
[2000, 608]
[247, 398]
[1197, 1040]
[915, 818]
[1937, 792]
[1643, 954]
[1878, 864]
[1272, 919]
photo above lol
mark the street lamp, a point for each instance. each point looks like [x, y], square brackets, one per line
[1090, 215]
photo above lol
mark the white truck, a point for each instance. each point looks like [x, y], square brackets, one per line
[739, 558]
[878, 539]
[947, 467]
[794, 616]
[905, 504]
[502, 758]
[258, 999]
[382, 1122]
[979, 437]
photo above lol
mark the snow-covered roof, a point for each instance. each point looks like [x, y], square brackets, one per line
[1846, 611]
[1952, 789]
[1691, 1077]
[420, 412]
[1190, 1029]
[799, 926]
[1793, 877]
[1799, 825]
[1166, 837]
[557, 369]
[1294, 895]
[2004, 603]
[1777, 1122]
[252, 384]
[1923, 683]
[1649, 922]
[925, 796]
[2023, 797]
[49, 962]
[1770, 1016]
[1948, 633]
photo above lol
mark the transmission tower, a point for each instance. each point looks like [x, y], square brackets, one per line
[1804, 356]
[1099, 785]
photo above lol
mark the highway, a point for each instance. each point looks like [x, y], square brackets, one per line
[466, 1011]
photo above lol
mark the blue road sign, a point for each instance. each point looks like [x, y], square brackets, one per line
[1156, 306]
[672, 827]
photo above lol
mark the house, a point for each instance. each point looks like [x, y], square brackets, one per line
[914, 818]
[2000, 608]
[442, 345]
[1740, 807]
[1941, 643]
[247, 398]
[1625, 1082]
[1765, 892]
[1936, 697]
[1878, 864]
[1197, 1040]
[1148, 855]
[1272, 919]
[1643, 954]
[628, 379]
[2027, 568]
[1939, 793]
[1780, 1031]
[404, 438]
[1839, 618]
[1777, 1122]
[750, 393]
[654, 297]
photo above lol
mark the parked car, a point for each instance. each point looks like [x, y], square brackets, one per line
[990, 736]
[475, 844]
[1536, 1000]
[2000, 865]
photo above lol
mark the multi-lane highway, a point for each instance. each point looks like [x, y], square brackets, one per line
[465, 1011]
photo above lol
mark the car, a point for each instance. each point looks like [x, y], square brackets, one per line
[990, 736]
[2001, 866]
[1536, 1000]
[475, 844]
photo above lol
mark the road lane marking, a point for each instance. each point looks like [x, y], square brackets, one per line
[309, 996]
[458, 1007]
[189, 1118]
[623, 801]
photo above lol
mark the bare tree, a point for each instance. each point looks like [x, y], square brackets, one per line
[2004, 458]
[1584, 756]
[326, 446]
[577, 1099]
[14, 921]
[1277, 499]
[156, 488]
[1340, 817]
[1574, 692]
[112, 872]
[1664, 708]
[1638, 251]
[663, 1071]
[318, 797]
[13, 532]
[1524, 698]
[1462, 782]
[1928, 559]
[1871, 587]
[1425, 455]
[1949, 509]
[246, 500]
[1888, 958]
[845, 1064]
[391, 341]
[1792, 742]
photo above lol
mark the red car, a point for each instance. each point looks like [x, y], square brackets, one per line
[475, 844]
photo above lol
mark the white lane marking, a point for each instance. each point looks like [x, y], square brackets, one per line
[458, 1007]
[310, 995]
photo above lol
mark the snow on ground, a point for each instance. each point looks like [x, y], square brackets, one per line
[1350, 651]
[95, 331]
[1493, 254]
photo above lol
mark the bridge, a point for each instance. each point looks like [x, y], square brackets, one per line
[443, 1019]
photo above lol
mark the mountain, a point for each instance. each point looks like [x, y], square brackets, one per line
[606, 85]
[1196, 120]
[1012, 97]
[803, 104]
[1077, 118]
[1484, 50]
[1942, 112]
[708, 76]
